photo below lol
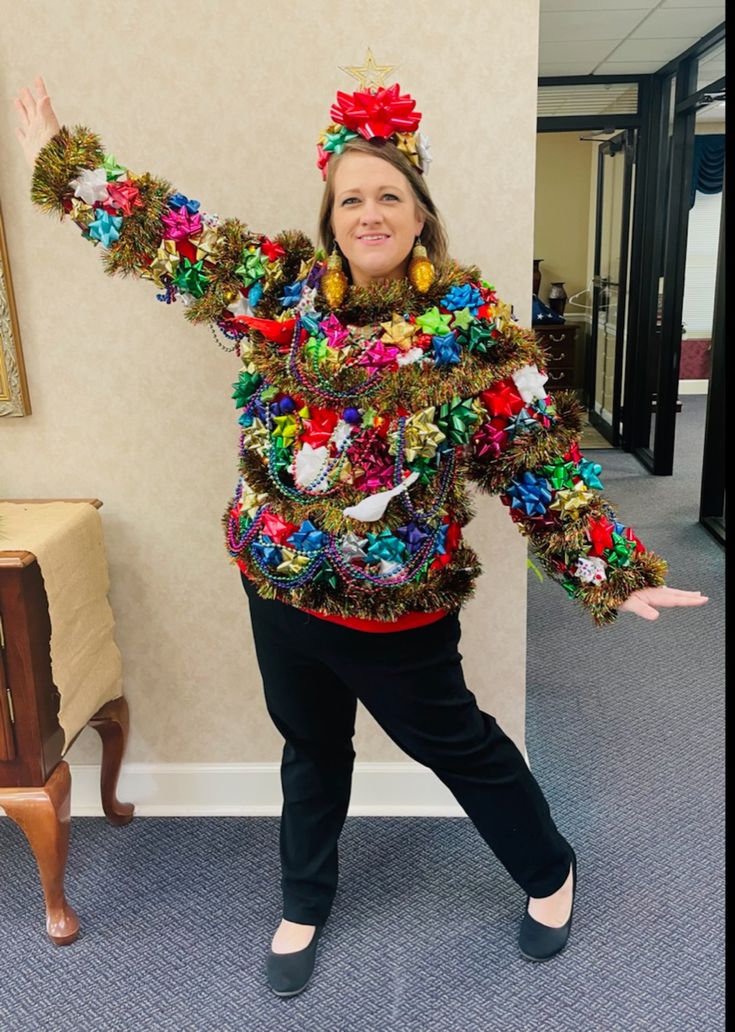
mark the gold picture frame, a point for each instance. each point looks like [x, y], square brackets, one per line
[14, 397]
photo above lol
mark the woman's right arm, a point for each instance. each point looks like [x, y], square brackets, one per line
[219, 268]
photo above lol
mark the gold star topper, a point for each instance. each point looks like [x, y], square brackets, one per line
[369, 74]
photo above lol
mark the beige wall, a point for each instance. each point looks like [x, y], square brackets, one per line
[709, 128]
[563, 183]
[132, 404]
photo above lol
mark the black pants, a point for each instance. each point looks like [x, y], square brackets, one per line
[411, 682]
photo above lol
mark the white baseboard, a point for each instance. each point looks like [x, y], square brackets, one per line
[254, 789]
[693, 386]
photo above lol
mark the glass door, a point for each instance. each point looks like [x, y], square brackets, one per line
[606, 357]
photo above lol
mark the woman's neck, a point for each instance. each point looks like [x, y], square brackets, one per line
[364, 279]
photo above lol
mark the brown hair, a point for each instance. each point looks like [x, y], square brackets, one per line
[433, 235]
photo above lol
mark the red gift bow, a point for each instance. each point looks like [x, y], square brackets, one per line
[271, 249]
[573, 454]
[125, 195]
[630, 536]
[319, 425]
[599, 531]
[502, 399]
[322, 160]
[278, 529]
[376, 114]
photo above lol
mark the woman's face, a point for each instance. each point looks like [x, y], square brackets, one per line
[374, 217]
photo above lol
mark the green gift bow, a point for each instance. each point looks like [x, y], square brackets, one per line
[191, 277]
[456, 420]
[621, 551]
[435, 322]
[252, 267]
[246, 386]
[559, 474]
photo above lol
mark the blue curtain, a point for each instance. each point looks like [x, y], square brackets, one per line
[709, 165]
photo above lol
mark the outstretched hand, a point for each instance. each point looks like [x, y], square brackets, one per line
[36, 118]
[645, 601]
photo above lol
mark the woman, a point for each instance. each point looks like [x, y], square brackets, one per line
[374, 383]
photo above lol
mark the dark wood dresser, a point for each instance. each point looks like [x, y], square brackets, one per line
[561, 345]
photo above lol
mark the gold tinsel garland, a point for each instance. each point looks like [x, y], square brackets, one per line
[65, 155]
[140, 234]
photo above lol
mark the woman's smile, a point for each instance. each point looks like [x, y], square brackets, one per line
[371, 239]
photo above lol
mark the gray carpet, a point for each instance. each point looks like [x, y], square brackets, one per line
[625, 734]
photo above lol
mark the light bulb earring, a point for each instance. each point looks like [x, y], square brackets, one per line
[334, 281]
[421, 272]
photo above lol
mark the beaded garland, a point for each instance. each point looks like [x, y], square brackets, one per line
[390, 411]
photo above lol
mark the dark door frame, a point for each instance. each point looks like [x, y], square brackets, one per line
[674, 269]
[652, 367]
[624, 141]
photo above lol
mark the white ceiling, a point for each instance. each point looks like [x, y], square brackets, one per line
[630, 37]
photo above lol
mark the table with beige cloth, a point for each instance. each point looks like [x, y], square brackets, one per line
[67, 540]
[60, 671]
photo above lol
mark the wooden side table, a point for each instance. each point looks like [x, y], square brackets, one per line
[35, 782]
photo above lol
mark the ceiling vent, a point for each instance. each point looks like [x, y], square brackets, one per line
[604, 98]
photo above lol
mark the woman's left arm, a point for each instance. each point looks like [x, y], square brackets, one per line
[525, 447]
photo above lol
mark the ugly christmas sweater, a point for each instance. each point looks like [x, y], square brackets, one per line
[360, 426]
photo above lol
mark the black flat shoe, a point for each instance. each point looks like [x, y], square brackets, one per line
[540, 942]
[288, 973]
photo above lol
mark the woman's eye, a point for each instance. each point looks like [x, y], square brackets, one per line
[348, 199]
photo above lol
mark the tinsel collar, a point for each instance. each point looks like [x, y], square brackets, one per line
[298, 289]
[378, 301]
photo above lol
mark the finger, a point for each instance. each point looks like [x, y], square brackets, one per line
[669, 603]
[679, 591]
[28, 101]
[41, 87]
[22, 101]
[22, 113]
[641, 608]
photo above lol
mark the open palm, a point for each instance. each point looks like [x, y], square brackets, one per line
[645, 601]
[37, 123]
